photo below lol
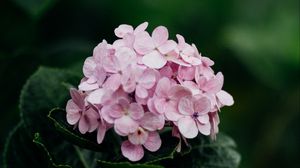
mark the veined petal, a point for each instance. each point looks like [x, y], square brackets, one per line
[132, 152]
[139, 137]
[160, 35]
[187, 127]
[136, 111]
[153, 142]
[225, 98]
[152, 122]
[204, 128]
[202, 105]
[185, 106]
[154, 60]
[122, 30]
[126, 125]
[167, 47]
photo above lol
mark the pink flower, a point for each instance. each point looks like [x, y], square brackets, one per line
[195, 116]
[146, 135]
[77, 113]
[140, 81]
[166, 99]
[187, 52]
[124, 115]
[155, 47]
[119, 67]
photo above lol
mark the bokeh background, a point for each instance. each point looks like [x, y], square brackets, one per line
[255, 43]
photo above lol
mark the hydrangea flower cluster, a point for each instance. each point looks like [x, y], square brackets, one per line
[142, 83]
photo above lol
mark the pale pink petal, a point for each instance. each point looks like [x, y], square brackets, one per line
[73, 118]
[147, 79]
[167, 47]
[143, 43]
[140, 28]
[160, 105]
[100, 52]
[207, 62]
[212, 86]
[83, 124]
[160, 35]
[136, 111]
[154, 60]
[85, 86]
[152, 122]
[77, 97]
[186, 73]
[203, 119]
[92, 118]
[151, 106]
[111, 64]
[225, 98]
[122, 30]
[191, 59]
[163, 86]
[126, 125]
[89, 67]
[220, 77]
[125, 56]
[72, 108]
[166, 71]
[204, 128]
[185, 106]
[153, 142]
[105, 114]
[132, 152]
[95, 97]
[116, 111]
[139, 137]
[192, 86]
[181, 41]
[202, 105]
[177, 61]
[101, 133]
[172, 114]
[187, 127]
[100, 75]
[178, 91]
[141, 92]
[113, 82]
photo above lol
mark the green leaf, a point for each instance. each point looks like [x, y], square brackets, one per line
[66, 155]
[43, 91]
[19, 150]
[104, 164]
[207, 153]
[58, 118]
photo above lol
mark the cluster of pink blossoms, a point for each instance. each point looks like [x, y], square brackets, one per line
[142, 83]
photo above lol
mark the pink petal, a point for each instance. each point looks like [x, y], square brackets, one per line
[212, 86]
[177, 61]
[100, 52]
[172, 114]
[192, 86]
[163, 86]
[95, 97]
[166, 71]
[73, 118]
[83, 124]
[100, 75]
[160, 35]
[113, 82]
[111, 64]
[202, 105]
[167, 47]
[185, 106]
[116, 111]
[85, 86]
[181, 41]
[89, 67]
[203, 119]
[122, 30]
[77, 98]
[72, 108]
[153, 142]
[186, 73]
[147, 79]
[105, 114]
[152, 122]
[207, 62]
[204, 128]
[143, 43]
[151, 106]
[177, 92]
[126, 125]
[191, 59]
[140, 28]
[154, 60]
[141, 92]
[225, 98]
[132, 152]
[187, 127]
[125, 56]
[136, 111]
[139, 137]
[101, 133]
[93, 117]
[160, 105]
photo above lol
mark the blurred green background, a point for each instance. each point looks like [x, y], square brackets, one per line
[255, 43]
